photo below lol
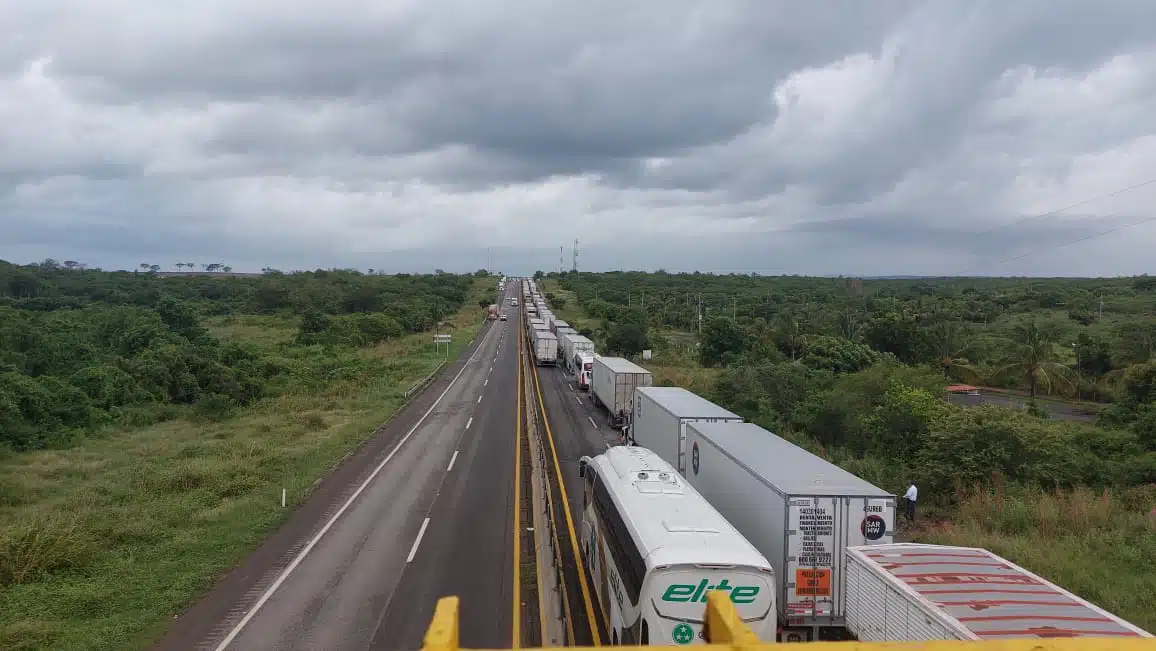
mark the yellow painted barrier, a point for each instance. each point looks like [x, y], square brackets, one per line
[442, 634]
[724, 630]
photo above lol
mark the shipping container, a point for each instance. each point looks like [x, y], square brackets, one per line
[661, 415]
[545, 347]
[613, 385]
[909, 591]
[801, 511]
[558, 323]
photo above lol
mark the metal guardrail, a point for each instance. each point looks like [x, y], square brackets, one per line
[725, 631]
[422, 382]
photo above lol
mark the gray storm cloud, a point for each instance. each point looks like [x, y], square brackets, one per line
[830, 137]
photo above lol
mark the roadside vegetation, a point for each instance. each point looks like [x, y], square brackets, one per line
[857, 371]
[149, 424]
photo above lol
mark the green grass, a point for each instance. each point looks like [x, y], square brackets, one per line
[1099, 546]
[103, 543]
[252, 329]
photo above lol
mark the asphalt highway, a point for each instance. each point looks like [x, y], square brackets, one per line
[429, 514]
[578, 426]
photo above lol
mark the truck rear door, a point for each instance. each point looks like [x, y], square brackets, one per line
[812, 557]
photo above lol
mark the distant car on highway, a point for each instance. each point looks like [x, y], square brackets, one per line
[503, 316]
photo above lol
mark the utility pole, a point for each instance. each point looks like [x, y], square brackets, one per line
[561, 260]
[1079, 374]
[575, 265]
[1101, 318]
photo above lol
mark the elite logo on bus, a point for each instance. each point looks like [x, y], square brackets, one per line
[691, 593]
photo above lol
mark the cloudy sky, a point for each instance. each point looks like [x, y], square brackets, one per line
[774, 136]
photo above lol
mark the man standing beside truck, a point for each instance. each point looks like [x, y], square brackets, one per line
[909, 502]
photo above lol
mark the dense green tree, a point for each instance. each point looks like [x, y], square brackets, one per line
[721, 337]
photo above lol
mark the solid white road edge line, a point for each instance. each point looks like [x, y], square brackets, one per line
[417, 542]
[451, 466]
[265, 596]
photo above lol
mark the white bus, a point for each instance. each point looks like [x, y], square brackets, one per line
[654, 547]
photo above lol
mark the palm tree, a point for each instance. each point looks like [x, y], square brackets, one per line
[1032, 357]
[850, 324]
[951, 342]
[791, 337]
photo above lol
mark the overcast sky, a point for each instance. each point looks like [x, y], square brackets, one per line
[774, 136]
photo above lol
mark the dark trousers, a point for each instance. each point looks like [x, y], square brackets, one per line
[909, 511]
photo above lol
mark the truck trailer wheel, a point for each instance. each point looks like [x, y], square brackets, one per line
[795, 636]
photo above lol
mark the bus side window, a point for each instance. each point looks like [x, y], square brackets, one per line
[588, 489]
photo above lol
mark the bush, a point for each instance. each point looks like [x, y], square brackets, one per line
[32, 549]
[214, 407]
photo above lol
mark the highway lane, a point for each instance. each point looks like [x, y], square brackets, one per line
[468, 548]
[371, 573]
[578, 426]
[572, 428]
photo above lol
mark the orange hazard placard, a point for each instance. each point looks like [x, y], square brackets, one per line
[813, 583]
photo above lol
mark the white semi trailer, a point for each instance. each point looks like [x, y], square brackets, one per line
[661, 415]
[545, 347]
[574, 345]
[613, 385]
[914, 592]
[801, 511]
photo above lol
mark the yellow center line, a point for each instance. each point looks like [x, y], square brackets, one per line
[516, 635]
[537, 550]
[569, 518]
[525, 351]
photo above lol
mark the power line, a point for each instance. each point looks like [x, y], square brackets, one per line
[1053, 213]
[1062, 244]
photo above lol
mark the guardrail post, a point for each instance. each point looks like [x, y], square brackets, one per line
[723, 624]
[442, 634]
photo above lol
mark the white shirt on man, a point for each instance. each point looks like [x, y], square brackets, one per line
[912, 493]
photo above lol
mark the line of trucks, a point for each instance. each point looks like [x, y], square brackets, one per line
[828, 534]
